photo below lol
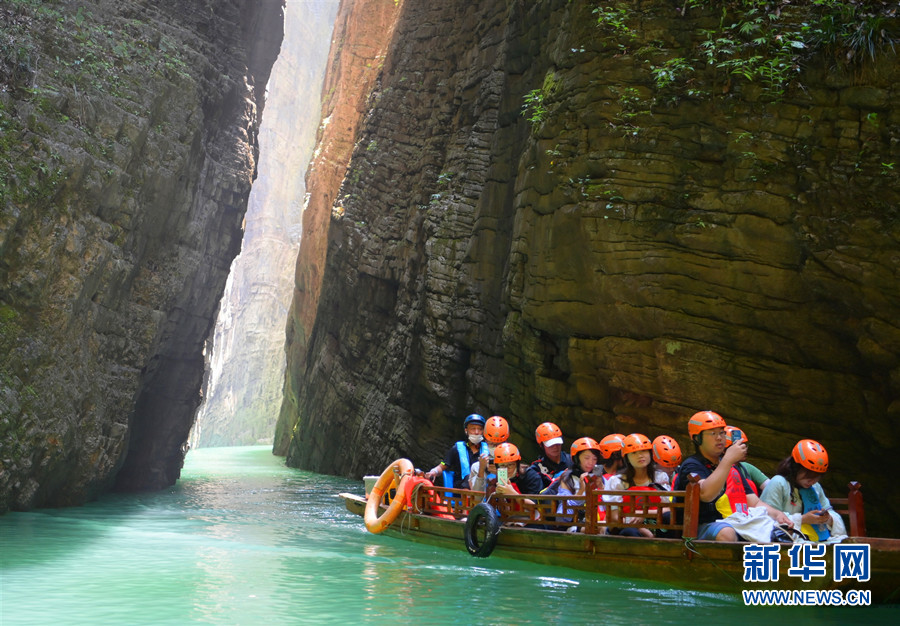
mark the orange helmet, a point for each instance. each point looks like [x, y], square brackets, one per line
[547, 434]
[731, 429]
[585, 443]
[811, 455]
[635, 442]
[611, 444]
[704, 420]
[666, 451]
[496, 430]
[506, 453]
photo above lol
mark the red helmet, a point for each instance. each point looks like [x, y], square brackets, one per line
[635, 442]
[611, 444]
[666, 451]
[811, 455]
[731, 429]
[585, 443]
[506, 453]
[496, 430]
[704, 420]
[547, 432]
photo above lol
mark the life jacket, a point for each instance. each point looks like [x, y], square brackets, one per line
[462, 449]
[810, 500]
[651, 499]
[734, 500]
[411, 484]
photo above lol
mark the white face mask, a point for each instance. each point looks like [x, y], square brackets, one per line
[475, 439]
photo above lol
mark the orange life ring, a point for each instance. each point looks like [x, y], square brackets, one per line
[393, 477]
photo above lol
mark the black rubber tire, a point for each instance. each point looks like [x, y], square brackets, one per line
[482, 514]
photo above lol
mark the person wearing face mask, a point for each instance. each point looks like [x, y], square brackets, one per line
[457, 464]
[496, 431]
[552, 462]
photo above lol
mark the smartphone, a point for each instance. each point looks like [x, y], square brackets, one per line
[736, 435]
[826, 509]
[502, 476]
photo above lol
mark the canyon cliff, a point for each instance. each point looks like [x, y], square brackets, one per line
[129, 146]
[610, 218]
[242, 397]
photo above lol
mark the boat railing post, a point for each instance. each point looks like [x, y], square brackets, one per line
[691, 506]
[856, 512]
[590, 508]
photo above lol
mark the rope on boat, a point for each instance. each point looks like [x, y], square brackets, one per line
[689, 546]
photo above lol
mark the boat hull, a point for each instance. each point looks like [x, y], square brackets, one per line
[701, 565]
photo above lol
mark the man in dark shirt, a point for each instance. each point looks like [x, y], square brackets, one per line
[707, 431]
[461, 455]
[552, 462]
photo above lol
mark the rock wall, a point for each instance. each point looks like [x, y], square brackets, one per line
[242, 397]
[652, 235]
[128, 151]
[362, 31]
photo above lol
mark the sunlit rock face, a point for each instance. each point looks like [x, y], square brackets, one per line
[362, 32]
[128, 151]
[246, 363]
[628, 257]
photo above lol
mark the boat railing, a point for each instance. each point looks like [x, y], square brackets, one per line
[588, 513]
[592, 515]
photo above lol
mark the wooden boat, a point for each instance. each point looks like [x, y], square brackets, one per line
[436, 516]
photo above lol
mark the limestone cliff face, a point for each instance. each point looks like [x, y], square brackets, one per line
[246, 363]
[639, 250]
[128, 152]
[362, 32]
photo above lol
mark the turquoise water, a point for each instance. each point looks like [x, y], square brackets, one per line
[241, 539]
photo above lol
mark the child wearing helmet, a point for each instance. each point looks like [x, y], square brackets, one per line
[552, 462]
[640, 474]
[666, 455]
[507, 456]
[611, 454]
[795, 489]
[585, 453]
[457, 464]
[754, 474]
[496, 431]
[712, 462]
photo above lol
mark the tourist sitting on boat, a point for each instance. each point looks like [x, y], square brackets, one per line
[707, 431]
[496, 431]
[666, 455]
[795, 489]
[611, 454]
[457, 465]
[510, 479]
[552, 462]
[585, 454]
[754, 474]
[640, 474]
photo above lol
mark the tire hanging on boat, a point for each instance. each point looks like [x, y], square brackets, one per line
[393, 477]
[488, 516]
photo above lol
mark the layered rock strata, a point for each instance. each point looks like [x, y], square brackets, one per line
[129, 149]
[616, 256]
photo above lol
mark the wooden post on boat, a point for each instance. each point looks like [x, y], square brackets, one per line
[855, 510]
[691, 506]
[590, 508]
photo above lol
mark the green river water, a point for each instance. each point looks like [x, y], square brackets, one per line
[241, 539]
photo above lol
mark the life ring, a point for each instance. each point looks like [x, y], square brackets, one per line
[487, 515]
[393, 477]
